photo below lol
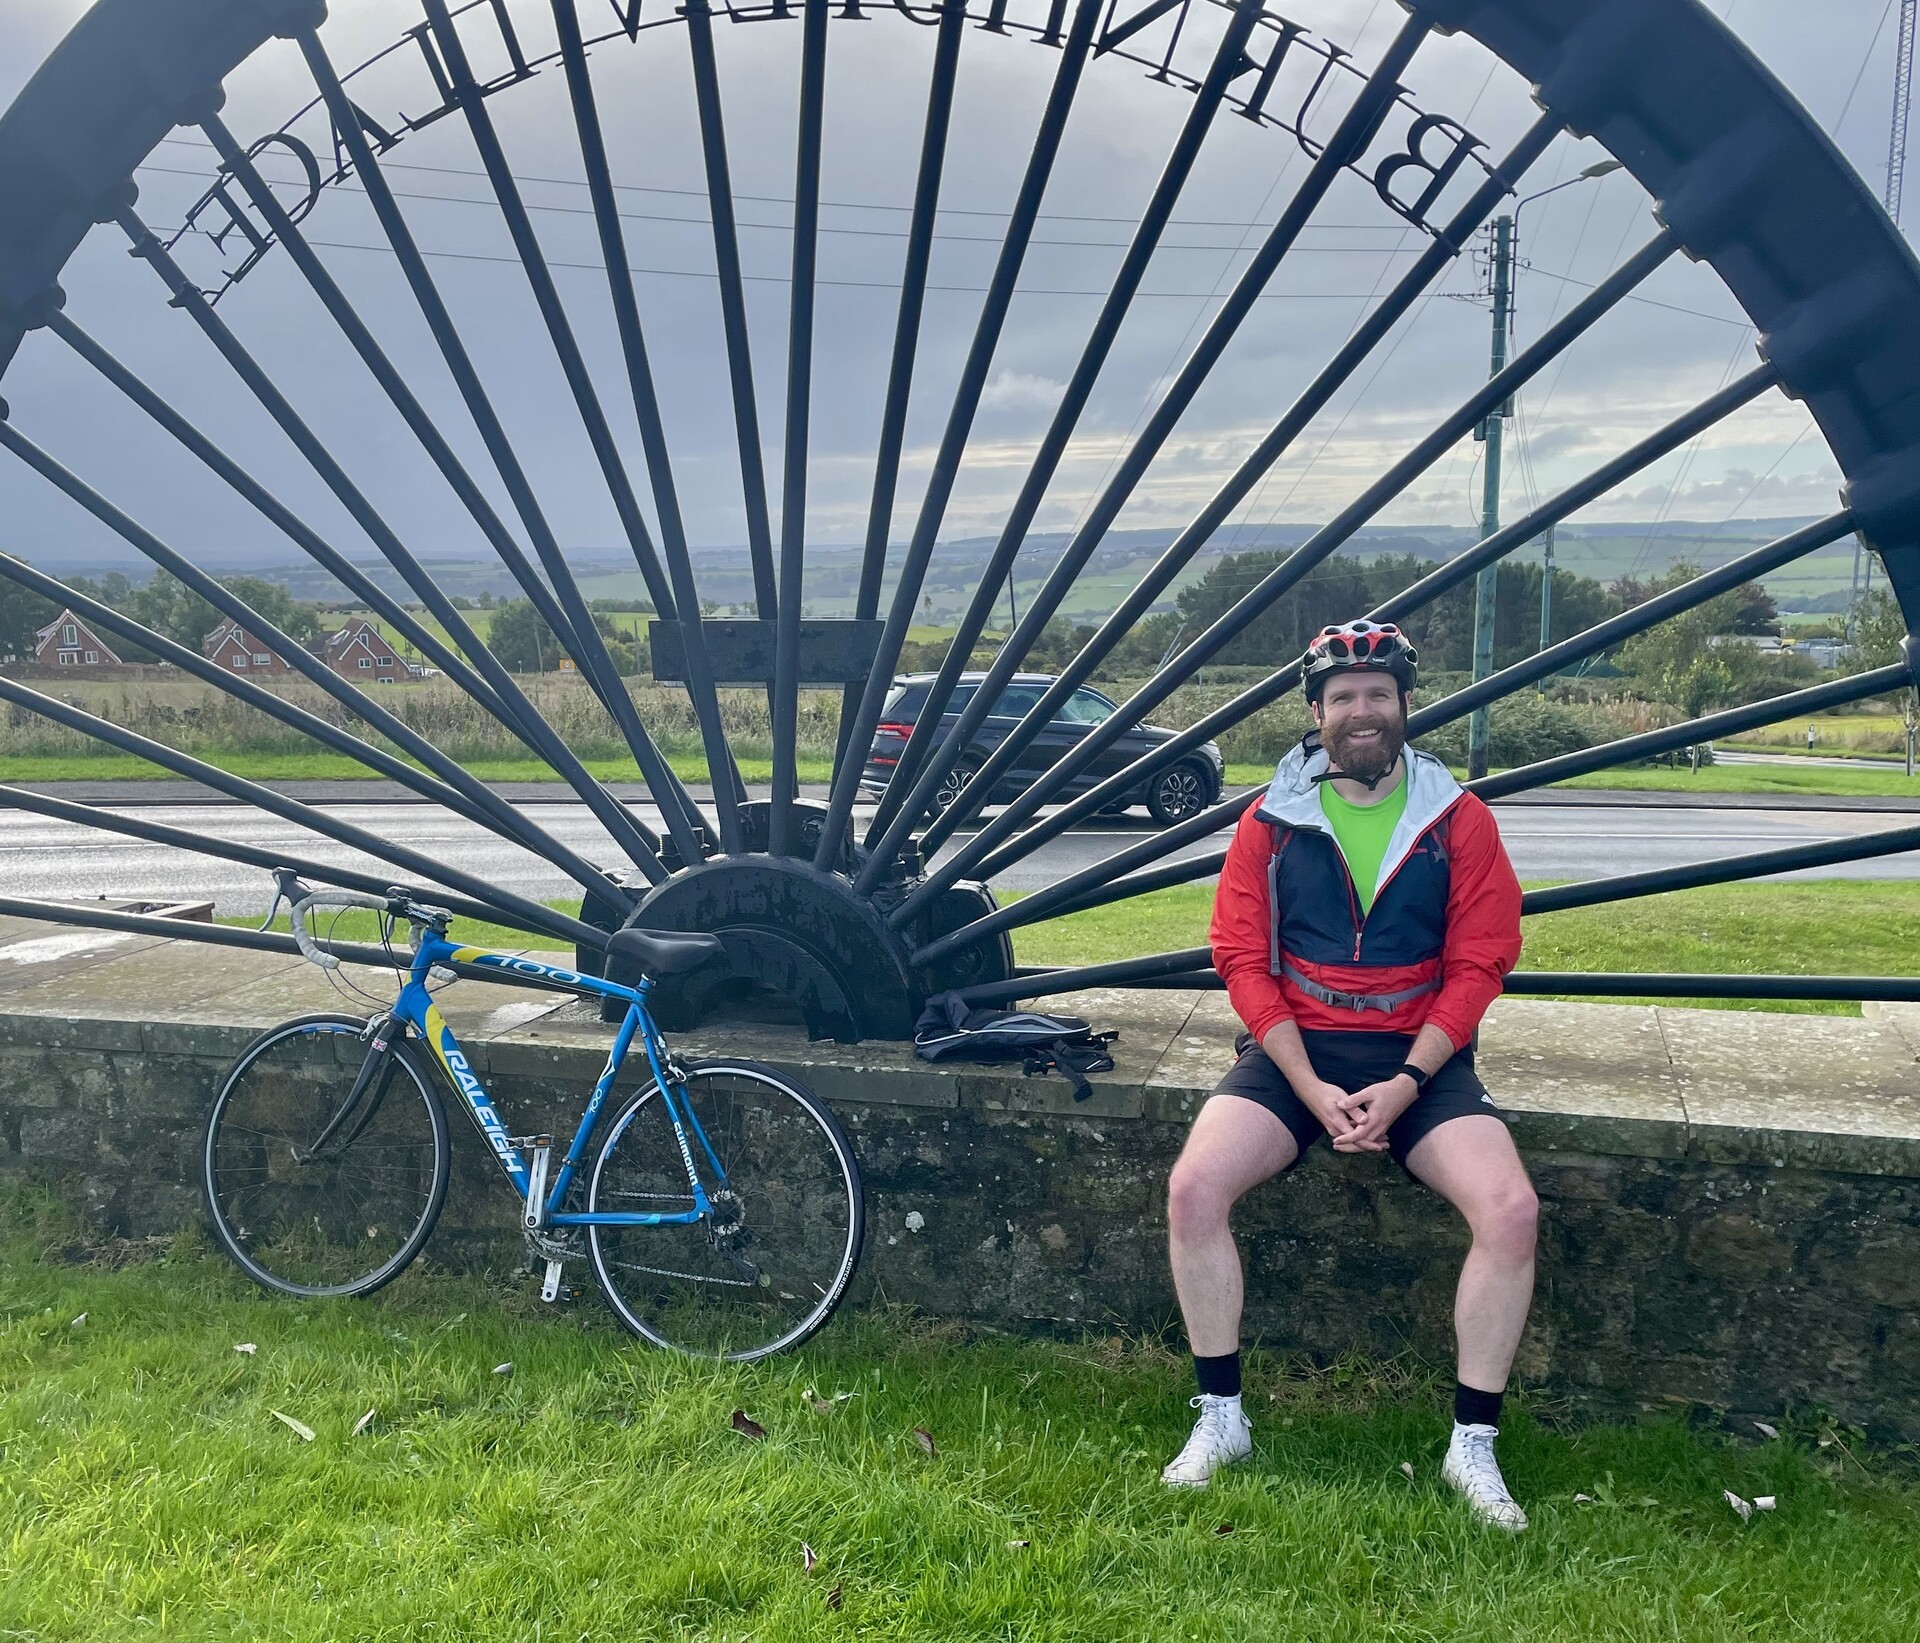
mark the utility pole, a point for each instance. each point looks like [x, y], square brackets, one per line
[1546, 601]
[1487, 582]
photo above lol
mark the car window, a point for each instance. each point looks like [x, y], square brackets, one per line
[1017, 700]
[1085, 707]
[903, 701]
[962, 694]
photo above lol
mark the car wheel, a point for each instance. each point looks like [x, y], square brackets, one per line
[1179, 793]
[950, 786]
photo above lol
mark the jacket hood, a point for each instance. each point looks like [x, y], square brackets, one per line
[1293, 797]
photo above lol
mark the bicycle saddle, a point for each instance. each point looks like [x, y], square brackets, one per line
[663, 952]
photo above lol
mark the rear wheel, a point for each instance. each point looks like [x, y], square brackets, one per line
[768, 1266]
[950, 786]
[1177, 794]
[347, 1215]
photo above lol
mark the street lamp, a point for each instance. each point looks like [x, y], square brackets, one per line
[1505, 239]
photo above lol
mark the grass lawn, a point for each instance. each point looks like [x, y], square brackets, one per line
[1752, 778]
[692, 767]
[1833, 927]
[288, 767]
[599, 1491]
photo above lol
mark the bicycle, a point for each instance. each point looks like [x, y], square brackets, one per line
[722, 1213]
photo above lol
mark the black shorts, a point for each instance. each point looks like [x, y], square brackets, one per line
[1353, 1061]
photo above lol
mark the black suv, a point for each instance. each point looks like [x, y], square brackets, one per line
[1181, 790]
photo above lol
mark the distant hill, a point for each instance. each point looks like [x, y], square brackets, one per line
[1603, 551]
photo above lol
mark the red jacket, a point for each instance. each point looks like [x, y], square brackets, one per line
[1445, 914]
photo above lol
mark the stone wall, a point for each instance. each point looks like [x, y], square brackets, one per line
[1731, 1201]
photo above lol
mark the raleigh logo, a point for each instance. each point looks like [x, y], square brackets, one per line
[476, 1095]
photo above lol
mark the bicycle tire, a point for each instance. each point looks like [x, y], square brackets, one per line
[748, 1119]
[290, 1079]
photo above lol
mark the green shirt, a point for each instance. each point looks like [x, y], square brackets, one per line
[1363, 832]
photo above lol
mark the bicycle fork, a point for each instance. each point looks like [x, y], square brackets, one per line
[376, 1065]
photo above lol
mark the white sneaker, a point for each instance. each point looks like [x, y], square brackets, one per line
[1221, 1436]
[1471, 1469]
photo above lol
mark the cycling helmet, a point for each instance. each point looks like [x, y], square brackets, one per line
[1375, 647]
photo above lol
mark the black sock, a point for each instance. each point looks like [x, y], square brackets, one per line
[1218, 1377]
[1472, 1407]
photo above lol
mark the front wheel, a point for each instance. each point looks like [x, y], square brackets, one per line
[769, 1264]
[310, 1199]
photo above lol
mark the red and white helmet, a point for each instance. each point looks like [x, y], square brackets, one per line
[1358, 647]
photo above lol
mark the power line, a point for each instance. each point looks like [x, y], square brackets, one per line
[786, 199]
[887, 285]
[786, 228]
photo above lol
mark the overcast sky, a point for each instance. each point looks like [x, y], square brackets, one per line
[1649, 360]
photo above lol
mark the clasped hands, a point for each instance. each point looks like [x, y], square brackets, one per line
[1358, 1121]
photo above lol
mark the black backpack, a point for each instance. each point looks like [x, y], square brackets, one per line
[950, 1028]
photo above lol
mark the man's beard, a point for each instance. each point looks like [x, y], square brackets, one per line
[1368, 761]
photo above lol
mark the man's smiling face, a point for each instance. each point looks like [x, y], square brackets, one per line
[1363, 723]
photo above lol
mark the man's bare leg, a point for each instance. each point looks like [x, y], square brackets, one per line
[1471, 1162]
[1234, 1145]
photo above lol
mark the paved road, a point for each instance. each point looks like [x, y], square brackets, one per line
[46, 858]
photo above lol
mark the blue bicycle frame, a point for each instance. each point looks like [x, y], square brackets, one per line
[416, 1008]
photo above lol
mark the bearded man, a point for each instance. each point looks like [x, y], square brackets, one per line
[1365, 918]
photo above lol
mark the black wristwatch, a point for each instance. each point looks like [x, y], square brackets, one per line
[1420, 1076]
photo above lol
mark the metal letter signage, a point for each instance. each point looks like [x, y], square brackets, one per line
[1291, 68]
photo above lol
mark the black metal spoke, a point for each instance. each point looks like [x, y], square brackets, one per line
[966, 402]
[1324, 542]
[614, 816]
[1357, 348]
[295, 529]
[104, 618]
[856, 927]
[1792, 858]
[1815, 699]
[1103, 882]
[1069, 892]
[676, 805]
[1124, 972]
[728, 789]
[103, 820]
[902, 791]
[454, 788]
[906, 344]
[1747, 567]
[733, 302]
[912, 785]
[303, 815]
[235, 161]
[1455, 571]
[258, 941]
[793, 473]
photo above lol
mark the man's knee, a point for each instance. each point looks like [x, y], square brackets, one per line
[1509, 1222]
[1197, 1201]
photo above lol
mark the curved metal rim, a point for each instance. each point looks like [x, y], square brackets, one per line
[1742, 175]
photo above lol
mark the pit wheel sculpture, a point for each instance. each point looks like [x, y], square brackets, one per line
[840, 912]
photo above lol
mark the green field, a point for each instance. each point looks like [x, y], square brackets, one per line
[153, 1488]
[1813, 780]
[1831, 927]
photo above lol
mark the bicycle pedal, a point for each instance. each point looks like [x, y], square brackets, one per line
[552, 1289]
